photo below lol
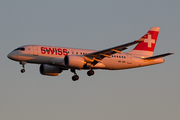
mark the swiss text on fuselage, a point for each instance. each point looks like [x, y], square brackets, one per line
[54, 51]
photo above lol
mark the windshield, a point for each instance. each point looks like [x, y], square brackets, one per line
[20, 48]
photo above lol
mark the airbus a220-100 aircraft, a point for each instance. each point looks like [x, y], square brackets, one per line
[54, 59]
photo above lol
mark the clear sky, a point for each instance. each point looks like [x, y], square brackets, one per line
[148, 93]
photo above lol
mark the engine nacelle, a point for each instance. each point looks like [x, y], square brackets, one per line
[74, 61]
[49, 70]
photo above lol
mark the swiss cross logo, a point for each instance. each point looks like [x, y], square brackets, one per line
[149, 40]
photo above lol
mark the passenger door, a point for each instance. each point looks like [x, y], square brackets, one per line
[35, 50]
[129, 58]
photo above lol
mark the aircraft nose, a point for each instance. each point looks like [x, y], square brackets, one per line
[12, 56]
[9, 55]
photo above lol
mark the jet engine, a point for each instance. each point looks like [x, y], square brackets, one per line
[49, 70]
[74, 61]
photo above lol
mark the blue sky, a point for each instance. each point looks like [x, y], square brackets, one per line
[150, 93]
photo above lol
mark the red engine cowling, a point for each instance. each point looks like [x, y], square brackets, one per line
[49, 70]
[74, 61]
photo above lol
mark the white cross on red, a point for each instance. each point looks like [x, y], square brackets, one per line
[149, 40]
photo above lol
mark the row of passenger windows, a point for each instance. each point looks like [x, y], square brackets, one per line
[79, 53]
[115, 56]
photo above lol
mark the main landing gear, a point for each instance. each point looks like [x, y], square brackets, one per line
[22, 63]
[90, 72]
[76, 77]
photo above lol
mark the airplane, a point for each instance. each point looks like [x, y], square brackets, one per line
[53, 60]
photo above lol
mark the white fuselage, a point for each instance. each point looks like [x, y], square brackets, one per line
[55, 56]
[54, 59]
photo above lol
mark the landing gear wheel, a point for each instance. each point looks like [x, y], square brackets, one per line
[75, 77]
[90, 73]
[23, 70]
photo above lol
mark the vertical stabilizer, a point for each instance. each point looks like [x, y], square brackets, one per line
[147, 46]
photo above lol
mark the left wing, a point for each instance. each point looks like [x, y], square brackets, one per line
[157, 56]
[96, 57]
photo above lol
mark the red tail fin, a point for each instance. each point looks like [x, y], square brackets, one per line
[147, 46]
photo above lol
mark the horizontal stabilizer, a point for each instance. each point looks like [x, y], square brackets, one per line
[157, 56]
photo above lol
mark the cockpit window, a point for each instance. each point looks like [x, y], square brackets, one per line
[20, 48]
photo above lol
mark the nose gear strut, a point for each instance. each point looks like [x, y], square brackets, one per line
[23, 65]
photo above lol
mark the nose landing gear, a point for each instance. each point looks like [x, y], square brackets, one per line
[23, 65]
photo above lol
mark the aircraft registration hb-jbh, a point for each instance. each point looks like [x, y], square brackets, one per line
[54, 60]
